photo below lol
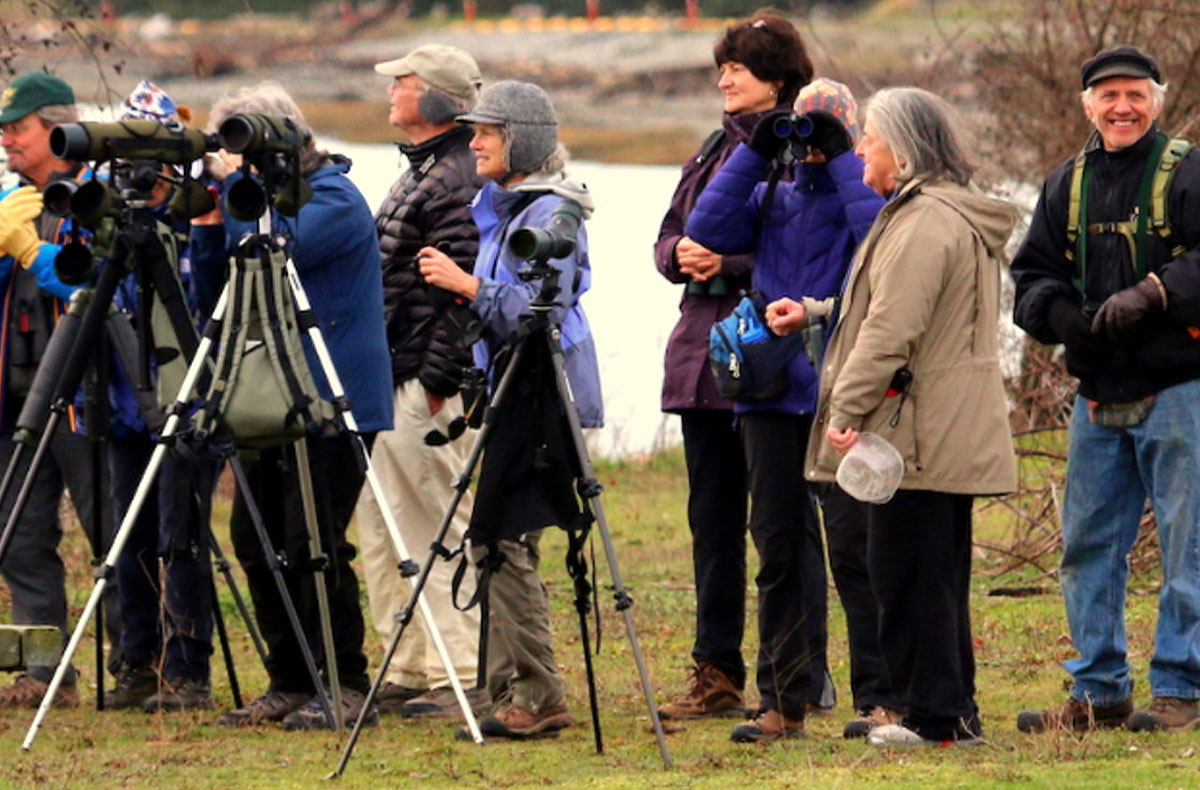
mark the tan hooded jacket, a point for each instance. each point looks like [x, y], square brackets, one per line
[924, 291]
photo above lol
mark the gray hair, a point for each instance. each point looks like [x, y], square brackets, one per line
[922, 132]
[52, 114]
[267, 98]
[1158, 94]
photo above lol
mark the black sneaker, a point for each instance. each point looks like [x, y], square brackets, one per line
[312, 715]
[180, 694]
[134, 685]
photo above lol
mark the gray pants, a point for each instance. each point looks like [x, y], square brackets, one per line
[33, 568]
[521, 664]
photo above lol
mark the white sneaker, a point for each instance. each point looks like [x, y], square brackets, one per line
[894, 735]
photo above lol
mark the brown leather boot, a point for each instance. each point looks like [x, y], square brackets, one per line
[712, 694]
[1076, 716]
[1170, 714]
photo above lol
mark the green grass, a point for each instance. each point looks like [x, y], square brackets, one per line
[1019, 642]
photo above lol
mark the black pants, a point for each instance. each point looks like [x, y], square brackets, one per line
[791, 578]
[717, 518]
[337, 478]
[846, 530]
[919, 553]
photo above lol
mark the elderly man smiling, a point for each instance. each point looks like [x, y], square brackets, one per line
[1111, 269]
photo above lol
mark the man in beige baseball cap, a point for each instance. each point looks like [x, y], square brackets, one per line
[443, 69]
[429, 205]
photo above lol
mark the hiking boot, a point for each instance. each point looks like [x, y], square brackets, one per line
[179, 694]
[712, 694]
[513, 721]
[870, 718]
[768, 725]
[312, 715]
[272, 706]
[134, 685]
[1170, 714]
[440, 703]
[392, 696]
[27, 692]
[1076, 716]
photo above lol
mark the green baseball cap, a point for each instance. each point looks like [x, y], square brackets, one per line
[31, 92]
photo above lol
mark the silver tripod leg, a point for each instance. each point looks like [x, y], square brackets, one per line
[304, 472]
[114, 552]
[624, 602]
[335, 385]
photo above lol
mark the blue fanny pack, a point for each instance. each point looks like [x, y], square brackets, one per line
[747, 360]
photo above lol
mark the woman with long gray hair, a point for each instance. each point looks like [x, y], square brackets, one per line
[921, 304]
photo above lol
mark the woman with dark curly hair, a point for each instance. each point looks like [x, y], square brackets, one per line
[762, 64]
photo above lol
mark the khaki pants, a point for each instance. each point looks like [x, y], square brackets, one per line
[520, 658]
[416, 479]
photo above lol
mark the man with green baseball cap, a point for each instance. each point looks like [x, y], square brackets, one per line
[31, 299]
[29, 108]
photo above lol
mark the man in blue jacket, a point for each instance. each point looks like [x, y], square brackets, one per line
[34, 298]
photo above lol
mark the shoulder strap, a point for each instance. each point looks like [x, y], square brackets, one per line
[711, 143]
[1076, 251]
[1164, 175]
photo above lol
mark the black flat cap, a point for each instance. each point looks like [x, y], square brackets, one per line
[1123, 61]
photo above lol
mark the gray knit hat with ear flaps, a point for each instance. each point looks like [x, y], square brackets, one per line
[526, 113]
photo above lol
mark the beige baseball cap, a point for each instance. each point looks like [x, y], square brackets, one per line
[448, 69]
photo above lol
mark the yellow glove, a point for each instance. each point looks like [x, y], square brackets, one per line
[17, 233]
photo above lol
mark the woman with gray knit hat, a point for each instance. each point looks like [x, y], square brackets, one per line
[516, 146]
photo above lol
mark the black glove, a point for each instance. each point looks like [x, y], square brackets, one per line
[763, 140]
[828, 136]
[1119, 315]
[1088, 353]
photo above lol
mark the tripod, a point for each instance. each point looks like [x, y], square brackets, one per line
[80, 345]
[176, 413]
[138, 247]
[536, 329]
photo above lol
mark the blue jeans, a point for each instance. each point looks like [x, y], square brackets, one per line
[1110, 472]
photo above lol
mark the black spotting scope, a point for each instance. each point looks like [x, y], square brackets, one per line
[89, 141]
[556, 240]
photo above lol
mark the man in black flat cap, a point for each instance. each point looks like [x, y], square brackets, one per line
[1111, 269]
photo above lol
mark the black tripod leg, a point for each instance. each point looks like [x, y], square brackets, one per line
[225, 569]
[223, 635]
[275, 562]
[582, 607]
[14, 515]
[590, 490]
[97, 560]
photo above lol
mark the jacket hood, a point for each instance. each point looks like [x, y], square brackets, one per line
[562, 185]
[992, 218]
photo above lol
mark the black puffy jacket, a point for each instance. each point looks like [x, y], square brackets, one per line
[429, 205]
[1165, 350]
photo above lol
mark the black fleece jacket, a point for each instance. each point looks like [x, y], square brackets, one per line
[1165, 349]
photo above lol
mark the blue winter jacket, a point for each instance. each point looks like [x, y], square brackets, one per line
[804, 246]
[503, 298]
[336, 252]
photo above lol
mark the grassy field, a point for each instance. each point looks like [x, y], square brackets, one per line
[1019, 643]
